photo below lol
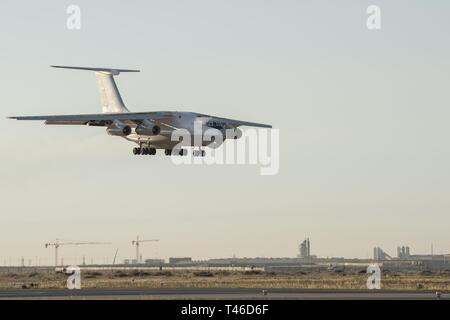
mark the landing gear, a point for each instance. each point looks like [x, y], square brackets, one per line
[180, 152]
[144, 151]
[199, 153]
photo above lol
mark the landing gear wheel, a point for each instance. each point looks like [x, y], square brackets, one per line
[151, 151]
[168, 152]
[136, 151]
[182, 152]
[198, 153]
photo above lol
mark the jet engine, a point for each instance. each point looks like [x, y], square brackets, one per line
[147, 128]
[119, 129]
[234, 133]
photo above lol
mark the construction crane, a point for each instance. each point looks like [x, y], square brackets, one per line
[115, 256]
[60, 242]
[137, 243]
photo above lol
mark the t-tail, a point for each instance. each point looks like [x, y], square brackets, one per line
[109, 94]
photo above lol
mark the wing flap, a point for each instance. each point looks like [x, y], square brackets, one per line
[66, 122]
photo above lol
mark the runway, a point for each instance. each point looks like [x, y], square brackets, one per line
[217, 293]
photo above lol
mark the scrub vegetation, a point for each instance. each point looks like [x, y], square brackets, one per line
[231, 279]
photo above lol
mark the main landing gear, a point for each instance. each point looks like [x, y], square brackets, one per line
[198, 153]
[183, 152]
[168, 152]
[180, 152]
[144, 151]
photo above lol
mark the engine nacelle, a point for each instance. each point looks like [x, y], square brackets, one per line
[233, 133]
[147, 128]
[119, 129]
[214, 138]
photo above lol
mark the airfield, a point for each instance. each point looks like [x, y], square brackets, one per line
[219, 283]
[217, 294]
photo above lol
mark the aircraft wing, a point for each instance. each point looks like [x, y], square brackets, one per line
[105, 119]
[98, 119]
[237, 123]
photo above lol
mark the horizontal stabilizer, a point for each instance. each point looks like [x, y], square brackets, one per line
[108, 70]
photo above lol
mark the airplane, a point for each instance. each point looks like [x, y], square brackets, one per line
[149, 130]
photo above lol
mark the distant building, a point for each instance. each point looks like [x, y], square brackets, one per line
[403, 253]
[173, 260]
[305, 249]
[379, 254]
[154, 262]
[130, 261]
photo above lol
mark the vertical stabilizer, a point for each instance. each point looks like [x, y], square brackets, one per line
[109, 94]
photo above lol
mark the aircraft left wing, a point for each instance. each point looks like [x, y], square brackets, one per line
[237, 123]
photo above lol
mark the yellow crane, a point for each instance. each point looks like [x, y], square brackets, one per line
[59, 242]
[137, 243]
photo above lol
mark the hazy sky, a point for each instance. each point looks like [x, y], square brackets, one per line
[363, 119]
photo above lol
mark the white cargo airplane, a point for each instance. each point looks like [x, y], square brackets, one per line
[150, 130]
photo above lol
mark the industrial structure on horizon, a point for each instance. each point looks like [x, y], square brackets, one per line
[404, 260]
[305, 249]
[403, 252]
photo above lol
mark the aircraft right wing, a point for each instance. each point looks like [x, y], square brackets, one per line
[98, 119]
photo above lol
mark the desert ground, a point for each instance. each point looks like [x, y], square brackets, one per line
[228, 279]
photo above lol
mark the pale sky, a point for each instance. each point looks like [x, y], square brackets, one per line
[363, 119]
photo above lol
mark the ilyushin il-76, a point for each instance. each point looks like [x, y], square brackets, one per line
[149, 130]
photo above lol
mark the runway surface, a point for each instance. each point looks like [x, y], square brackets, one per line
[217, 293]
